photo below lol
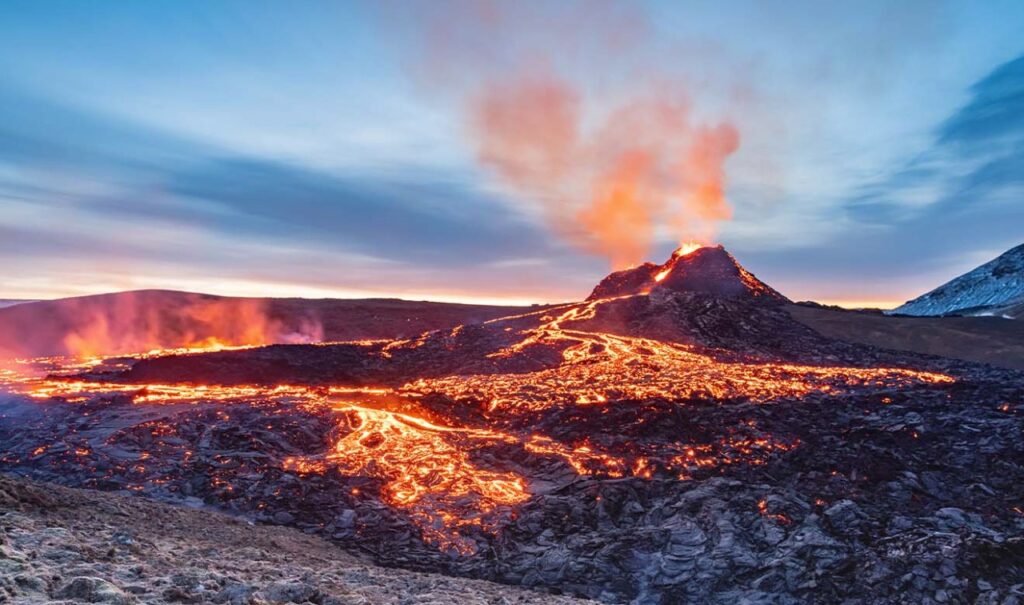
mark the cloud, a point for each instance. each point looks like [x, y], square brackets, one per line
[37, 131]
[99, 173]
[426, 220]
[976, 157]
[995, 110]
[959, 199]
[977, 149]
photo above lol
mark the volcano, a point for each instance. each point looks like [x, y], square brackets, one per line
[704, 300]
[676, 437]
[706, 270]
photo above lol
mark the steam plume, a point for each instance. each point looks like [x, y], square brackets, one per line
[613, 159]
[134, 322]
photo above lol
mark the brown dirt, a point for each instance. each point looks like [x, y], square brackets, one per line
[991, 340]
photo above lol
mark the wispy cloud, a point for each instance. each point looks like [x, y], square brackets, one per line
[957, 201]
[77, 184]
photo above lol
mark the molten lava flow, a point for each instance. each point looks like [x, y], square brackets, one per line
[601, 367]
[427, 468]
[687, 248]
[458, 471]
[683, 250]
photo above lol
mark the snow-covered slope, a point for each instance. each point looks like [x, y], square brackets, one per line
[995, 288]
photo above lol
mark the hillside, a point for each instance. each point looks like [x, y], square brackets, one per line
[995, 288]
[992, 340]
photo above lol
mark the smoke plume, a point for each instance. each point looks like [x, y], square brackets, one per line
[137, 322]
[573, 108]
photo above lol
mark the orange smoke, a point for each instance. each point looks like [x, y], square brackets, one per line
[527, 129]
[573, 106]
[195, 322]
[646, 166]
[619, 220]
[136, 322]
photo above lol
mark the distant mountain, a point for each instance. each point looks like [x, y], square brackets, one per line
[995, 288]
[10, 302]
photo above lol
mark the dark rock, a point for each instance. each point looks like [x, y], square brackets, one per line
[844, 517]
[289, 591]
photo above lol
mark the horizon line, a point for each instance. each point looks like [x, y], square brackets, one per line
[316, 293]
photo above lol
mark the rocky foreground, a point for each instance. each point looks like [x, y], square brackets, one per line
[60, 545]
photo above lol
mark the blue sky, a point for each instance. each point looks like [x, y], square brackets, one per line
[283, 148]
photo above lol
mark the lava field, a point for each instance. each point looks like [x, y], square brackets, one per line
[677, 437]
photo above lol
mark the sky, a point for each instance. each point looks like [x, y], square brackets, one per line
[325, 149]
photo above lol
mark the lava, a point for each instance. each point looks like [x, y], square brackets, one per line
[427, 467]
[558, 391]
[599, 367]
[686, 248]
[430, 468]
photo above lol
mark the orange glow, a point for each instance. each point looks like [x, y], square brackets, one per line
[619, 218]
[129, 322]
[686, 248]
[602, 367]
[427, 467]
[238, 324]
[762, 507]
[607, 189]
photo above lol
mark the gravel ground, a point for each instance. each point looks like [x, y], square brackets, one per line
[60, 545]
